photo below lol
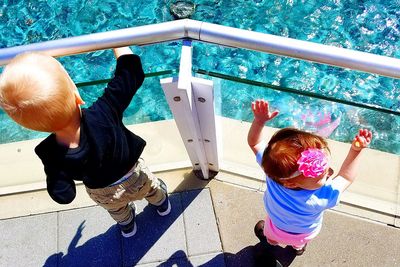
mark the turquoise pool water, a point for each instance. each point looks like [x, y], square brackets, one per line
[371, 26]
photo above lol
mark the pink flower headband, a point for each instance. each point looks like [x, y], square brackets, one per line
[312, 163]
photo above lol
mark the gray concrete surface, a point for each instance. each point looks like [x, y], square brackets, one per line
[211, 224]
[188, 236]
[344, 240]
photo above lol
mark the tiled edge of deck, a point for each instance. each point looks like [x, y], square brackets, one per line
[374, 195]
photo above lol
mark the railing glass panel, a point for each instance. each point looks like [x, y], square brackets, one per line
[328, 116]
[101, 64]
[241, 83]
[301, 75]
[376, 188]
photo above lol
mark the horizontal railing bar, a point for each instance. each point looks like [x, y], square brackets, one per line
[216, 34]
[141, 35]
[297, 92]
[283, 46]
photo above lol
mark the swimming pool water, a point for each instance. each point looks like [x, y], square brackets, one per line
[370, 26]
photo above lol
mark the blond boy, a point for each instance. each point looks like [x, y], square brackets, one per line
[85, 144]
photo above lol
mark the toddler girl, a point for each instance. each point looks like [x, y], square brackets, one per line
[299, 183]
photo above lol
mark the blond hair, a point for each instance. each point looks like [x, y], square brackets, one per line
[37, 92]
[284, 149]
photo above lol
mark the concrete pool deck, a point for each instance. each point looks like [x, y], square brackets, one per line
[212, 221]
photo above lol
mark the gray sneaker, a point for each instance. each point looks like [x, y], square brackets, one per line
[129, 229]
[165, 207]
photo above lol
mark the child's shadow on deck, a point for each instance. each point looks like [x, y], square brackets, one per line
[102, 250]
[268, 255]
[250, 256]
[111, 249]
[105, 250]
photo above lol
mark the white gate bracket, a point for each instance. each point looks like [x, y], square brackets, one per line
[191, 101]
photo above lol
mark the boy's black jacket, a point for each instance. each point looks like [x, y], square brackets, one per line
[107, 150]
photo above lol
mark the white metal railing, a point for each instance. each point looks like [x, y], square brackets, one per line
[216, 34]
[191, 101]
[198, 131]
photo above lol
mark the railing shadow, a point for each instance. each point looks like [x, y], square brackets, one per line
[88, 255]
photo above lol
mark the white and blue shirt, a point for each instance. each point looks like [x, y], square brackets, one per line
[300, 211]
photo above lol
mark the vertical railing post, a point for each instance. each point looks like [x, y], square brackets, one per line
[191, 101]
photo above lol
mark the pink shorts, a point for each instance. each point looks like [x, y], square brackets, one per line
[296, 240]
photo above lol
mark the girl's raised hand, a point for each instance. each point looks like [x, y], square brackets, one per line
[362, 139]
[261, 111]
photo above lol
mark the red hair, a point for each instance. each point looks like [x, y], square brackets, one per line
[284, 149]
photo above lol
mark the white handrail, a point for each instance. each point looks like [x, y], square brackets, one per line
[217, 34]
